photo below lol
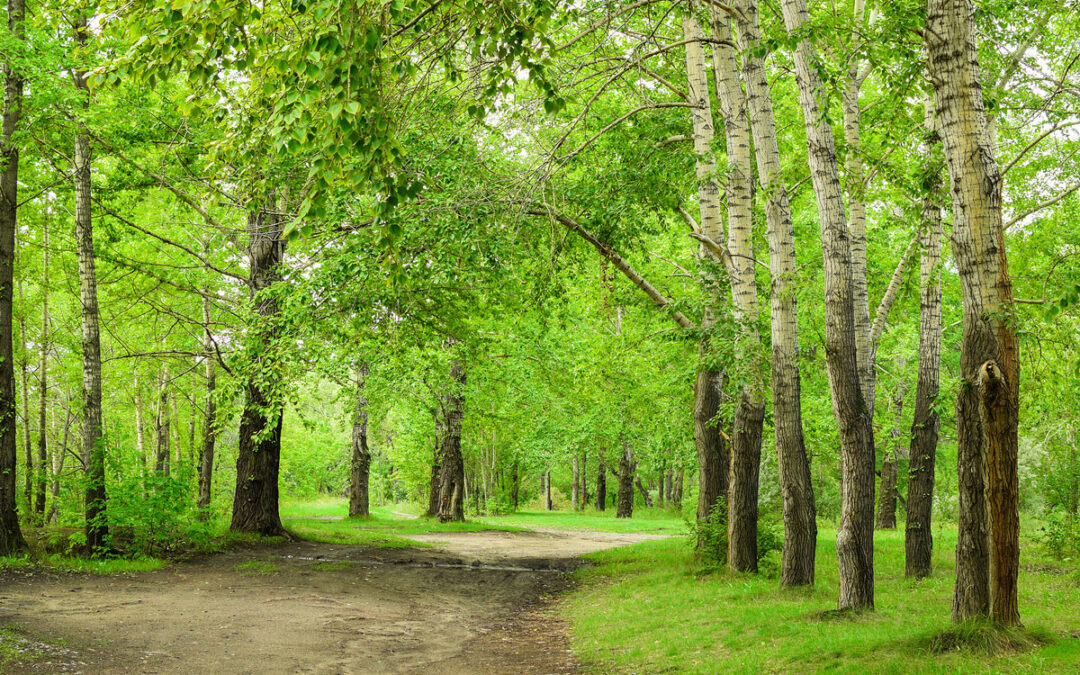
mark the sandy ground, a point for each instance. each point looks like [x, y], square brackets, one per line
[476, 603]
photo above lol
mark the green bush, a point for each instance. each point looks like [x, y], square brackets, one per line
[1061, 536]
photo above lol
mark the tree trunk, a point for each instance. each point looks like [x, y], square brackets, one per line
[43, 384]
[918, 537]
[361, 456]
[855, 188]
[886, 513]
[58, 457]
[515, 485]
[93, 445]
[627, 467]
[660, 491]
[163, 425]
[209, 435]
[574, 484]
[24, 386]
[987, 549]
[644, 493]
[433, 490]
[258, 458]
[584, 483]
[750, 412]
[677, 493]
[547, 491]
[601, 486]
[11, 538]
[800, 525]
[855, 538]
[712, 451]
[452, 478]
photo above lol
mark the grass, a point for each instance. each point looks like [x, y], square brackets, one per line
[384, 527]
[260, 568]
[646, 521]
[649, 608]
[84, 565]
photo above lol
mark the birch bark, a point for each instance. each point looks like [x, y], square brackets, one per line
[800, 526]
[987, 549]
[855, 536]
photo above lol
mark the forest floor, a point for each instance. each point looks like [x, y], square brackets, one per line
[467, 602]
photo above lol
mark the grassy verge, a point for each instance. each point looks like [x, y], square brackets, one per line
[645, 521]
[648, 608]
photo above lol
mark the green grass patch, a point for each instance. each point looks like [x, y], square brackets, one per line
[104, 565]
[11, 562]
[253, 568]
[648, 608]
[332, 566]
[985, 638]
[645, 521]
[346, 532]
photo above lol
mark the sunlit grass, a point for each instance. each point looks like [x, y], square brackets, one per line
[648, 608]
[646, 521]
[104, 565]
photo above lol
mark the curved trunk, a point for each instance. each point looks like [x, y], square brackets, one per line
[800, 523]
[855, 536]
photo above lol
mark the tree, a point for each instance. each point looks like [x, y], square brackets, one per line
[11, 538]
[987, 407]
[255, 501]
[800, 522]
[918, 536]
[93, 442]
[361, 456]
[855, 536]
[452, 476]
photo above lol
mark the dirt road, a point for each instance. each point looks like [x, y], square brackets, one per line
[476, 603]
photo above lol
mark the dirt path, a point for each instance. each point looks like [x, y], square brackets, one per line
[475, 604]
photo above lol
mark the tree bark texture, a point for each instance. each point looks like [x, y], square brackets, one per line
[258, 459]
[987, 550]
[645, 497]
[42, 475]
[750, 412]
[601, 486]
[452, 478]
[855, 537]
[361, 456]
[11, 538]
[209, 434]
[886, 513]
[627, 467]
[93, 444]
[800, 524]
[712, 451]
[163, 425]
[574, 484]
[918, 536]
